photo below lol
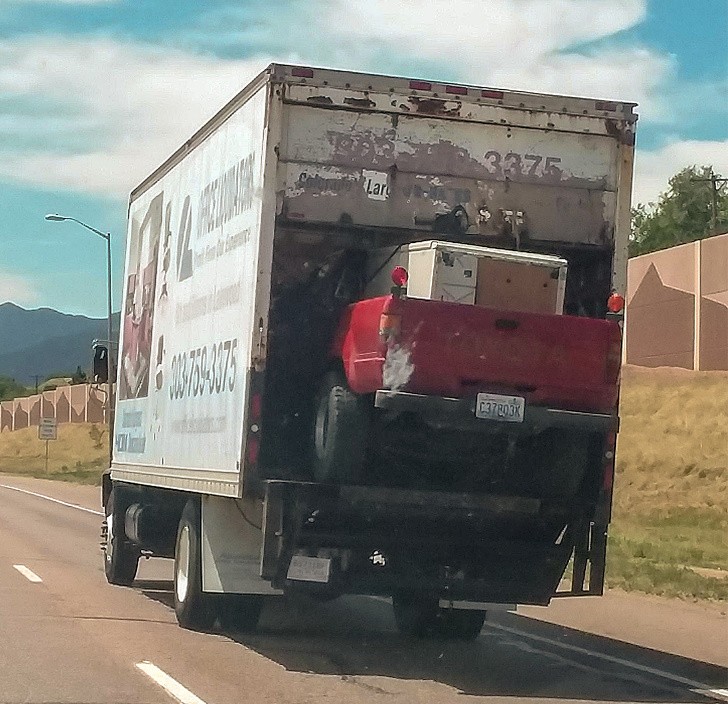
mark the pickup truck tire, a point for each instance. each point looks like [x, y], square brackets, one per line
[422, 617]
[239, 612]
[121, 558]
[194, 608]
[341, 428]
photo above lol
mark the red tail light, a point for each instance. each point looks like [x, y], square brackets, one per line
[399, 276]
[252, 449]
[615, 303]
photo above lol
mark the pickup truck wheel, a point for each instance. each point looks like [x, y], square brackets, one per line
[415, 616]
[341, 428]
[121, 558]
[240, 612]
[424, 618]
[461, 624]
[194, 609]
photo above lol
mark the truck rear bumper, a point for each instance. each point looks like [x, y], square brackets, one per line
[460, 413]
[404, 539]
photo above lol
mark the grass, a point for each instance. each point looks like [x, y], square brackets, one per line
[76, 456]
[671, 486]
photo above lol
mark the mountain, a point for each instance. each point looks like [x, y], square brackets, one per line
[45, 341]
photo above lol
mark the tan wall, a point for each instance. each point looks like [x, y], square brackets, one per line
[677, 307]
[80, 403]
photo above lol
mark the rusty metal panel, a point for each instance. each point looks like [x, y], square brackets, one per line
[400, 171]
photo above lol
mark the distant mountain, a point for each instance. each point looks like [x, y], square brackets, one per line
[45, 341]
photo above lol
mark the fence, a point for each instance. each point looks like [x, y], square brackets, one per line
[677, 307]
[80, 403]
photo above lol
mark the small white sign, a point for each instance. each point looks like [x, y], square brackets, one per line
[47, 429]
[376, 184]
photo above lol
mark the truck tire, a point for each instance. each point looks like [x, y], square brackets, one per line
[341, 428]
[121, 558]
[239, 612]
[194, 608]
[422, 617]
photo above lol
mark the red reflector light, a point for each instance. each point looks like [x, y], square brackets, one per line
[420, 85]
[256, 407]
[302, 72]
[456, 90]
[610, 107]
[399, 276]
[495, 94]
[615, 303]
[253, 449]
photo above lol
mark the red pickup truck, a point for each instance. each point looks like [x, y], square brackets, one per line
[465, 388]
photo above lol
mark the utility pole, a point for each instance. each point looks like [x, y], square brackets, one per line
[714, 182]
[36, 377]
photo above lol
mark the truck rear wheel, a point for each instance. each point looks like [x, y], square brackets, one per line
[121, 558]
[422, 617]
[194, 608]
[341, 428]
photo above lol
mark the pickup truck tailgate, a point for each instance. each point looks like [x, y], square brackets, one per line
[449, 349]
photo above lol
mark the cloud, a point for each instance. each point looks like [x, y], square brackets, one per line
[17, 289]
[654, 168]
[135, 104]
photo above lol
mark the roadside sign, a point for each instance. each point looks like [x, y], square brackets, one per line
[47, 429]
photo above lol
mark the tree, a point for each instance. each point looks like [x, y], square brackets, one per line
[682, 213]
[79, 377]
[10, 389]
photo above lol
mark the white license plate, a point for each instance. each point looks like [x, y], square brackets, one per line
[508, 409]
[309, 569]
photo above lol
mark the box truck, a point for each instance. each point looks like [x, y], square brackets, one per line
[371, 344]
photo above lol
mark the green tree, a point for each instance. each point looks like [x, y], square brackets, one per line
[682, 213]
[10, 389]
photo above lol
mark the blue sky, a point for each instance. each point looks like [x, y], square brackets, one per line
[95, 93]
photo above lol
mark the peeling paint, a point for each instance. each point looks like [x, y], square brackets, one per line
[398, 367]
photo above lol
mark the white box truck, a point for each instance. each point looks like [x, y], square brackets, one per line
[279, 427]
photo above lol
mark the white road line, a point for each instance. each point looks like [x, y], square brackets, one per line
[28, 574]
[699, 686]
[170, 685]
[50, 498]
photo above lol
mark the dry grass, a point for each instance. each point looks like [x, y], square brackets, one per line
[74, 456]
[671, 488]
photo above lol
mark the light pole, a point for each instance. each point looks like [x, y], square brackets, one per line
[107, 236]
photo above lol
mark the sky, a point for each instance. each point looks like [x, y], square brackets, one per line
[95, 93]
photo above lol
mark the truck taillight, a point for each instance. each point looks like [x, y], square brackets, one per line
[389, 326]
[399, 276]
[615, 303]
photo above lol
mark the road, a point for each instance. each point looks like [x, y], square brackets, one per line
[72, 639]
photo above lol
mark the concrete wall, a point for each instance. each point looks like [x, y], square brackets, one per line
[677, 307]
[80, 403]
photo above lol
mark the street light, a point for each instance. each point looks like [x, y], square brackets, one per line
[107, 236]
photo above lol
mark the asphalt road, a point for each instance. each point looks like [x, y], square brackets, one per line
[72, 639]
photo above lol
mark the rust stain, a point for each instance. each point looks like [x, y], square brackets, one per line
[435, 106]
[363, 103]
[320, 100]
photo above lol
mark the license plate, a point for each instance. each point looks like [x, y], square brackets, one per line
[309, 569]
[508, 409]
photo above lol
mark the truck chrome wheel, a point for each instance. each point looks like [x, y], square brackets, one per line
[194, 608]
[182, 565]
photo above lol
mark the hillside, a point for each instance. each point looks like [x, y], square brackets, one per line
[45, 341]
